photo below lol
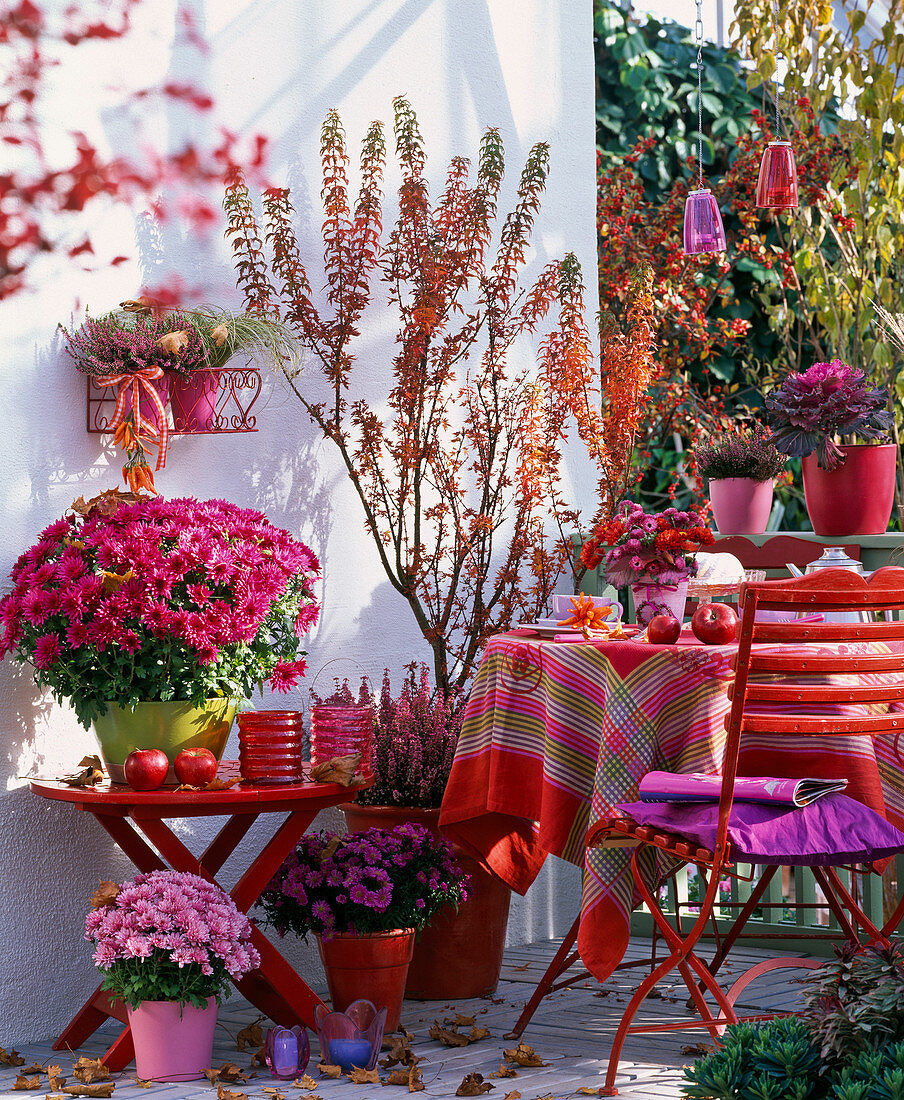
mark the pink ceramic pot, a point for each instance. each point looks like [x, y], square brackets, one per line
[741, 506]
[857, 497]
[194, 401]
[173, 1042]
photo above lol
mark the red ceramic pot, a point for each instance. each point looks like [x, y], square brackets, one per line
[857, 497]
[371, 967]
[459, 954]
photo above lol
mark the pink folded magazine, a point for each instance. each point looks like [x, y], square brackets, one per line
[672, 787]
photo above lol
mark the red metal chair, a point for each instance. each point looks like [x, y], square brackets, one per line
[792, 679]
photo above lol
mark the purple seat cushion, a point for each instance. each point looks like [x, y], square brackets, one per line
[832, 830]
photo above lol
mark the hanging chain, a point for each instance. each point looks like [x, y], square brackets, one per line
[698, 34]
[778, 135]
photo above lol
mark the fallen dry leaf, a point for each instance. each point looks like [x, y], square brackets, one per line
[448, 1036]
[139, 1084]
[473, 1084]
[505, 1071]
[33, 1068]
[98, 1089]
[24, 1084]
[89, 1070]
[524, 1055]
[105, 503]
[228, 1072]
[54, 1079]
[526, 965]
[105, 894]
[144, 304]
[220, 334]
[512, 1095]
[173, 343]
[330, 848]
[587, 1092]
[400, 1052]
[329, 1071]
[275, 1093]
[259, 1057]
[699, 1048]
[464, 1021]
[478, 1033]
[92, 773]
[306, 1082]
[341, 770]
[360, 1076]
[409, 1076]
[225, 1094]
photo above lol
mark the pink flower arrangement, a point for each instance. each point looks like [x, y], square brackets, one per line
[169, 936]
[158, 600]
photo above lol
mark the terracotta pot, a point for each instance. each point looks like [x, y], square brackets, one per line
[370, 967]
[169, 726]
[459, 954]
[741, 506]
[173, 1042]
[857, 497]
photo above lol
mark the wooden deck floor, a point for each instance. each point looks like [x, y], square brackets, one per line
[571, 1031]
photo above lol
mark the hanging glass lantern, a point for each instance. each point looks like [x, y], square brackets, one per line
[703, 230]
[776, 186]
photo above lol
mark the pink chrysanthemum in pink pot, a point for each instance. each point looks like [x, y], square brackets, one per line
[159, 600]
[168, 936]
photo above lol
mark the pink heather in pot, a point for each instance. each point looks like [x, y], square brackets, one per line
[169, 936]
[158, 600]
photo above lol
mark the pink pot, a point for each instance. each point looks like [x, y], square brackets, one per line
[194, 401]
[741, 506]
[857, 497]
[173, 1042]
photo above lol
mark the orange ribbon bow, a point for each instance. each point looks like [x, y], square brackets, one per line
[139, 380]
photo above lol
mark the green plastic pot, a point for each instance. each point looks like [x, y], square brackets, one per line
[169, 726]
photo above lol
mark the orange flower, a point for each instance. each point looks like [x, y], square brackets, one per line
[586, 616]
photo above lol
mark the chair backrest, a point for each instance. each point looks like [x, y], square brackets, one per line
[776, 552]
[801, 678]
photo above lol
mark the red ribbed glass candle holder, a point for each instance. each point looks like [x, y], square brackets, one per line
[339, 731]
[270, 745]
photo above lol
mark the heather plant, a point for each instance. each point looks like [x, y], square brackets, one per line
[828, 399]
[373, 881]
[127, 341]
[744, 452]
[168, 936]
[159, 599]
[457, 467]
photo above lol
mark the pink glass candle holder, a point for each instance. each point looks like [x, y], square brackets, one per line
[703, 231]
[270, 746]
[351, 1038]
[776, 186]
[286, 1051]
[341, 730]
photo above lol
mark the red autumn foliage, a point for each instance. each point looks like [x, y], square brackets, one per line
[458, 468]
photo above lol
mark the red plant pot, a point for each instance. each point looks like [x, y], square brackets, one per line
[371, 967]
[857, 497]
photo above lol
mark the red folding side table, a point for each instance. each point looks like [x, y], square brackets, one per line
[275, 987]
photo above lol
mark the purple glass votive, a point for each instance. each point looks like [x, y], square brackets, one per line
[287, 1051]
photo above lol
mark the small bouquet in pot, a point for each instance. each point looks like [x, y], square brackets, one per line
[637, 545]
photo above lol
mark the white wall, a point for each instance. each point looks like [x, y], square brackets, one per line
[275, 66]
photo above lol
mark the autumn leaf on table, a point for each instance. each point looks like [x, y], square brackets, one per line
[360, 1076]
[88, 1070]
[328, 1070]
[341, 770]
[524, 1055]
[306, 1082]
[473, 1084]
[91, 773]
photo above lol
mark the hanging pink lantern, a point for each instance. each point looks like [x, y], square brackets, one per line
[776, 187]
[703, 230]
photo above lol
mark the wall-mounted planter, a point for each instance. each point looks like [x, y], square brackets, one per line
[208, 402]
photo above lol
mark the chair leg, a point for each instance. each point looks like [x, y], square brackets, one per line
[841, 903]
[562, 959]
[731, 936]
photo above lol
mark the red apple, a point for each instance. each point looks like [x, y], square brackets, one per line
[715, 623]
[663, 630]
[195, 767]
[145, 769]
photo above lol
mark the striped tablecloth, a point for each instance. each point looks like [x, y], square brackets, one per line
[556, 734]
